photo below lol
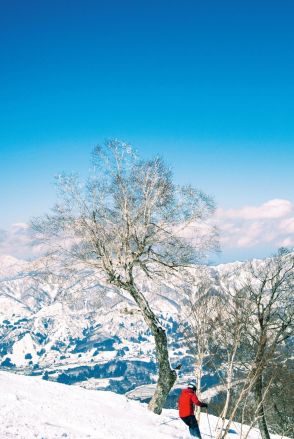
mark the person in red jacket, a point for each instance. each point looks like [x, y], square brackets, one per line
[187, 400]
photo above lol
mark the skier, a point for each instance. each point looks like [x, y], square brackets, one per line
[187, 400]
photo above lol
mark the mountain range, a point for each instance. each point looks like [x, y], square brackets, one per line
[76, 329]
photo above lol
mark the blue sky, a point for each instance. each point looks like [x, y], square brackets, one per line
[207, 85]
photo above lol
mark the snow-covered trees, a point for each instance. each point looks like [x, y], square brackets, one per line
[130, 219]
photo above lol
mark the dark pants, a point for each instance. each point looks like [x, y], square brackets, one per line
[193, 425]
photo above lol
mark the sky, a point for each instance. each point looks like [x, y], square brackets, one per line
[208, 85]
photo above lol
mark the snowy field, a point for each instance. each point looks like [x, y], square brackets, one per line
[34, 408]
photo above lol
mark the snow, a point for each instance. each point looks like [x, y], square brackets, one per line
[22, 347]
[33, 408]
[10, 308]
[10, 265]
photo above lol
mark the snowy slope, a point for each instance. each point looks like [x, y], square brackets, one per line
[34, 408]
[10, 265]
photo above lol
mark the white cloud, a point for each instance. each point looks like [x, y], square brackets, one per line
[277, 208]
[271, 224]
[288, 242]
[16, 241]
[287, 225]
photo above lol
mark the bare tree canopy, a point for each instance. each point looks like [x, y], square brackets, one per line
[130, 218]
[127, 214]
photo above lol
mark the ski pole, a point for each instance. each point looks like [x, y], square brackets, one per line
[208, 422]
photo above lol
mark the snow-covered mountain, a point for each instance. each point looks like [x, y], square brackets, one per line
[33, 408]
[75, 329]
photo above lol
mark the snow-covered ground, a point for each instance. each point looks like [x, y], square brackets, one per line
[34, 408]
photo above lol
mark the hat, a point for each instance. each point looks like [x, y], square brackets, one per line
[192, 385]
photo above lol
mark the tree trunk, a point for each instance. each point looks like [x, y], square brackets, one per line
[260, 410]
[166, 375]
[198, 376]
[228, 397]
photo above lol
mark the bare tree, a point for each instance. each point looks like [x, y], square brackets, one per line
[270, 291]
[267, 314]
[199, 313]
[128, 221]
[280, 411]
[228, 330]
[228, 334]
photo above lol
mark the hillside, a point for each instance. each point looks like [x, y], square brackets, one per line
[33, 408]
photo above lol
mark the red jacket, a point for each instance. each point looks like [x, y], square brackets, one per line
[186, 403]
